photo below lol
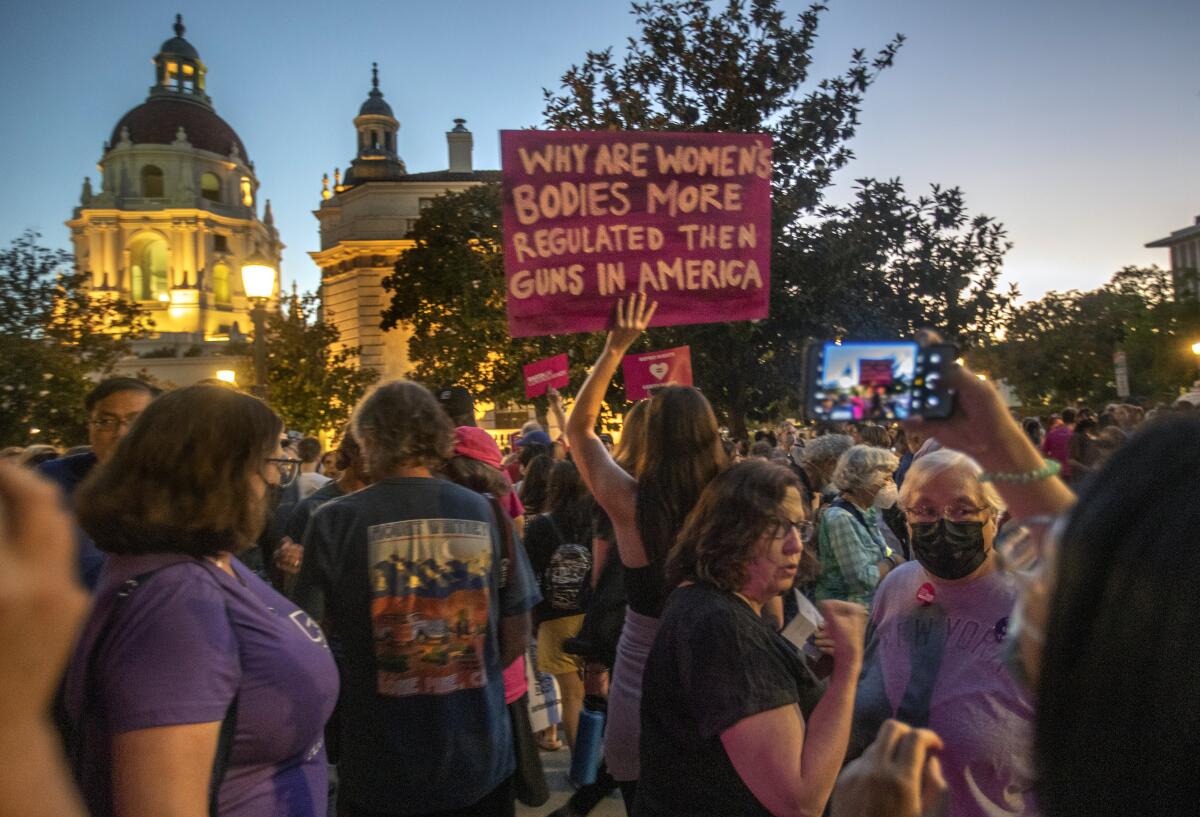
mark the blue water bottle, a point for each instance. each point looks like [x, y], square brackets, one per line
[589, 740]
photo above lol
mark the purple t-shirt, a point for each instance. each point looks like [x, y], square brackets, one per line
[182, 644]
[938, 665]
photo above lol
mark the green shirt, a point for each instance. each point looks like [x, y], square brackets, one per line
[849, 552]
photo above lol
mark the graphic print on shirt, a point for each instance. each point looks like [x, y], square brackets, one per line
[429, 605]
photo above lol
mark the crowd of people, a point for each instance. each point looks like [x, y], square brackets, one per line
[986, 615]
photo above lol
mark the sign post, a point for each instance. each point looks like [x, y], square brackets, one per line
[1122, 371]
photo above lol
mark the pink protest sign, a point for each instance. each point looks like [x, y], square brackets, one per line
[542, 374]
[650, 370]
[593, 215]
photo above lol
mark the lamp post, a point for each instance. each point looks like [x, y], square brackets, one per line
[258, 279]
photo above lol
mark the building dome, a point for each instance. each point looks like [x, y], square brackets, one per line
[179, 47]
[375, 104]
[157, 120]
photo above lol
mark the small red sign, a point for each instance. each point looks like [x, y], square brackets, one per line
[542, 374]
[652, 370]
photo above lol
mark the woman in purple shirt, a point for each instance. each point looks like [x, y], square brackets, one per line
[196, 688]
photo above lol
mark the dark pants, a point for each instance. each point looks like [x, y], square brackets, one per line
[628, 794]
[497, 804]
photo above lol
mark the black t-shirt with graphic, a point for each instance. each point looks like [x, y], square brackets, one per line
[714, 663]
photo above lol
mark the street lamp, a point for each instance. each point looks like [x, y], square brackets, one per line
[258, 279]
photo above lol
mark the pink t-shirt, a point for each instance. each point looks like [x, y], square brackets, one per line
[933, 660]
[515, 683]
[1057, 445]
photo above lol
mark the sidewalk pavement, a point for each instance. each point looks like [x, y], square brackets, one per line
[557, 764]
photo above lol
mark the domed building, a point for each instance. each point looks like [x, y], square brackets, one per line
[177, 212]
[365, 219]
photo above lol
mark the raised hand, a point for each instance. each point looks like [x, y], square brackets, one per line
[899, 775]
[843, 631]
[633, 318]
[41, 603]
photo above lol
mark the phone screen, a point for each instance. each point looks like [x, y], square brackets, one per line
[879, 381]
[865, 381]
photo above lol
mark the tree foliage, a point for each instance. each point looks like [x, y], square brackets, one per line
[54, 333]
[881, 265]
[450, 291]
[1058, 350]
[310, 382]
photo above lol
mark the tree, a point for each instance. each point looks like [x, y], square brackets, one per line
[54, 333]
[312, 385]
[1058, 350]
[450, 290]
[882, 264]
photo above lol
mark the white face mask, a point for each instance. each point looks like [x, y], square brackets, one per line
[887, 496]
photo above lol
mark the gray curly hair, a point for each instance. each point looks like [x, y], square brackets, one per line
[856, 469]
[401, 423]
[825, 450]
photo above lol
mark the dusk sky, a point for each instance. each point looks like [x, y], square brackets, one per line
[1074, 122]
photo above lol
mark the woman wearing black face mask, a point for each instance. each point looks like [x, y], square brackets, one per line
[934, 653]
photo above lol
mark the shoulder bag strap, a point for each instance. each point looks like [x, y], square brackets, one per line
[849, 507]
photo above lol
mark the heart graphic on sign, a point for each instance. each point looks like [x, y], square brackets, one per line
[659, 370]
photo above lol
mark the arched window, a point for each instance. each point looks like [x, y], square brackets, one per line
[247, 192]
[375, 139]
[220, 285]
[152, 182]
[148, 257]
[210, 187]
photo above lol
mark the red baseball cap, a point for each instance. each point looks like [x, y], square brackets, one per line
[477, 444]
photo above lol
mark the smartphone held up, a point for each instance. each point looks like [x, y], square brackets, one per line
[878, 380]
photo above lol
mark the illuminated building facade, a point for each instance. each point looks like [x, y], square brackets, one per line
[177, 212]
[364, 219]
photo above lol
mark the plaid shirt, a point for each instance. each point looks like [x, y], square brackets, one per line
[849, 555]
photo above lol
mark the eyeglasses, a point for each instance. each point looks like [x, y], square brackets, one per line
[960, 512]
[288, 467]
[110, 424]
[780, 528]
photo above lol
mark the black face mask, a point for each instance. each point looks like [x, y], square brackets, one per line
[949, 550]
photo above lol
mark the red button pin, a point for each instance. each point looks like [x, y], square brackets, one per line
[926, 594]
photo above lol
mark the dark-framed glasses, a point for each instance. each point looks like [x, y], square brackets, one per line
[289, 469]
[958, 512]
[780, 528]
[111, 424]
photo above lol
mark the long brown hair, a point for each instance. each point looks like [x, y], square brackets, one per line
[722, 535]
[683, 453]
[180, 480]
[630, 449]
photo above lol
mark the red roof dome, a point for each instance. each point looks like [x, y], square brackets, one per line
[157, 119]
